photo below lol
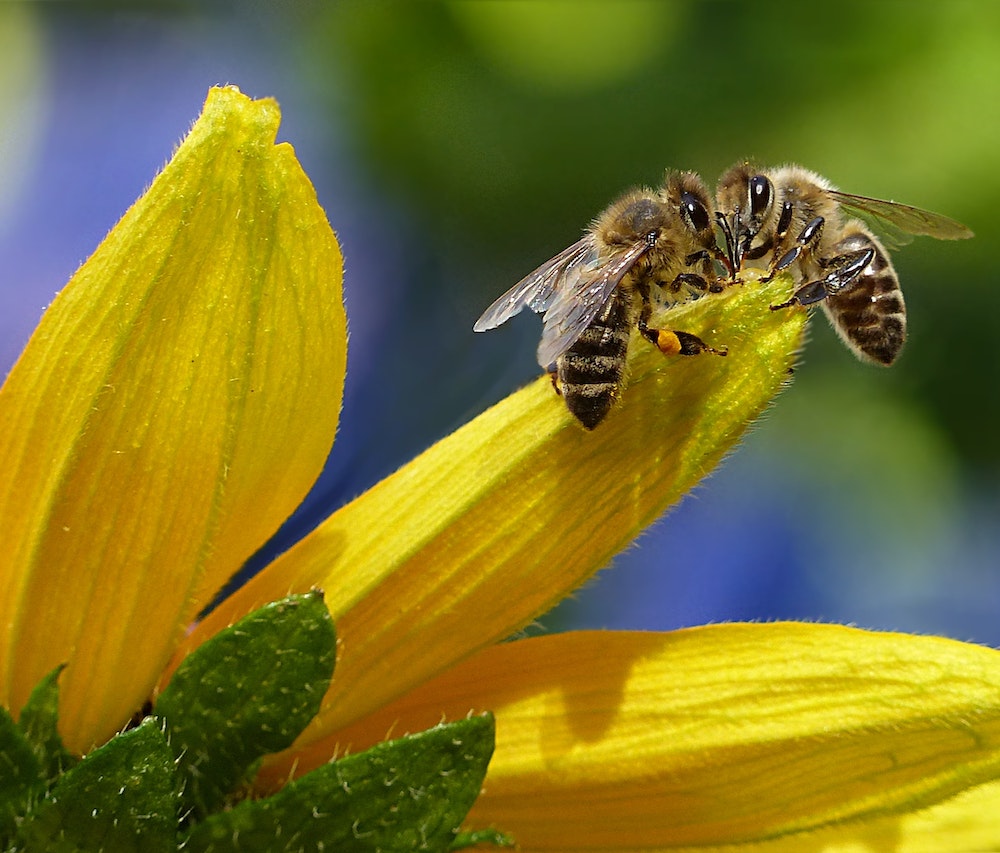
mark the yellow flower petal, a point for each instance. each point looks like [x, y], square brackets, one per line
[499, 521]
[731, 734]
[969, 821]
[175, 404]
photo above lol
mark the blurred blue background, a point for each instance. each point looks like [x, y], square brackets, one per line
[454, 146]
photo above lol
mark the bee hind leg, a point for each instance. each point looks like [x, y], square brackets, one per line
[671, 342]
[844, 270]
[674, 342]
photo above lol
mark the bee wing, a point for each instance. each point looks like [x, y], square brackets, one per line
[907, 219]
[584, 291]
[538, 288]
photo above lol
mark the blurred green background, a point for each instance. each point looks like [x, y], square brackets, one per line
[457, 145]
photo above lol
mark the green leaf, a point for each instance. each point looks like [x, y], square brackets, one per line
[122, 797]
[20, 776]
[407, 794]
[246, 692]
[39, 721]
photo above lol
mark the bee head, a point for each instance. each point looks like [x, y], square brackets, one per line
[686, 193]
[638, 216]
[745, 198]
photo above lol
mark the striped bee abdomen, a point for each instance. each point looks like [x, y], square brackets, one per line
[591, 372]
[869, 314]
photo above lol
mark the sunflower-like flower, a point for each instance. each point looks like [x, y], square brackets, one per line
[180, 397]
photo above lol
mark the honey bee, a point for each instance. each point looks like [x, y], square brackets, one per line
[594, 292]
[804, 223]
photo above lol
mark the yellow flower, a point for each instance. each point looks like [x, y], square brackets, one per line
[180, 397]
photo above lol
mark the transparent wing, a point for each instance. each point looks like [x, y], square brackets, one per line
[909, 220]
[583, 292]
[538, 288]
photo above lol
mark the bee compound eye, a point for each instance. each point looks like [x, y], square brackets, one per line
[761, 193]
[694, 211]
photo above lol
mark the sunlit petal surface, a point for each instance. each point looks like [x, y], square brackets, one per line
[175, 404]
[730, 734]
[502, 519]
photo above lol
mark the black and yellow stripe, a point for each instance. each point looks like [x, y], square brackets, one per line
[590, 373]
[869, 314]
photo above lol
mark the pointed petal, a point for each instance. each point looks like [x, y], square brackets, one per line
[175, 404]
[496, 523]
[730, 734]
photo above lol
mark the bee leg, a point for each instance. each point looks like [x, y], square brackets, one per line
[699, 257]
[704, 261]
[758, 252]
[693, 282]
[673, 342]
[667, 341]
[806, 241]
[844, 270]
[554, 378]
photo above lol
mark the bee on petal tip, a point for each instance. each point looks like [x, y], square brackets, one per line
[593, 293]
[800, 222]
